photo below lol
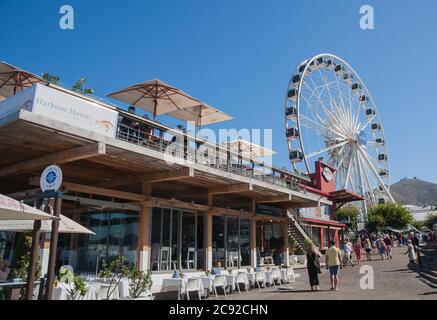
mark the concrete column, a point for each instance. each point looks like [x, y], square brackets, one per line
[208, 240]
[286, 250]
[253, 256]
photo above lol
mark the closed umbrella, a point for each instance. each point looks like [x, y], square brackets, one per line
[66, 225]
[13, 80]
[155, 96]
[11, 209]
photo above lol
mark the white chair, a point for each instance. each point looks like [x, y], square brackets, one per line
[219, 281]
[260, 278]
[192, 285]
[165, 258]
[290, 276]
[276, 276]
[190, 258]
[242, 279]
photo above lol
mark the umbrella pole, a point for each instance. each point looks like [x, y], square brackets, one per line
[154, 108]
[30, 281]
[53, 248]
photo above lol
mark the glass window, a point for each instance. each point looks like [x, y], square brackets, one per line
[245, 242]
[232, 242]
[188, 235]
[116, 233]
[175, 252]
[316, 236]
[218, 241]
[200, 247]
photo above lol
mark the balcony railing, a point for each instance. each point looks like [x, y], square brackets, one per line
[146, 133]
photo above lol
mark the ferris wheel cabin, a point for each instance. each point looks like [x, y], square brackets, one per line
[292, 134]
[382, 157]
[291, 113]
[296, 156]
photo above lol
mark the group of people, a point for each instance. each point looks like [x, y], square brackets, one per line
[335, 260]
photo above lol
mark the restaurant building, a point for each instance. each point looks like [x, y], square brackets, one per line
[161, 197]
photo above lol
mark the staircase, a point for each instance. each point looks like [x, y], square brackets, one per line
[428, 269]
[298, 229]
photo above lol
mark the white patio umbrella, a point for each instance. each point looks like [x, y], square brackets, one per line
[249, 149]
[156, 97]
[66, 225]
[11, 209]
[201, 114]
[13, 80]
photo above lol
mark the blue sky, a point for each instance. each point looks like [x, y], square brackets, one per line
[238, 56]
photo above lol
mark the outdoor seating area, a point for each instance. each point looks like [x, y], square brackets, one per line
[224, 283]
[142, 131]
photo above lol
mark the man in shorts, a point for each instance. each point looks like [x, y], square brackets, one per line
[333, 263]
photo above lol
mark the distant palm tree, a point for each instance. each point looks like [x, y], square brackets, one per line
[78, 87]
[50, 78]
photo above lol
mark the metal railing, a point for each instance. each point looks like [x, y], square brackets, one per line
[299, 218]
[185, 147]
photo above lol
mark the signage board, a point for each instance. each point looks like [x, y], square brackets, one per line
[51, 178]
[75, 111]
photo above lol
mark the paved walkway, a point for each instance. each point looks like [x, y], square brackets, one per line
[393, 280]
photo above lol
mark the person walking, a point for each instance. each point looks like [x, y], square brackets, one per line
[381, 247]
[333, 262]
[388, 247]
[313, 266]
[411, 252]
[368, 248]
[357, 250]
[347, 249]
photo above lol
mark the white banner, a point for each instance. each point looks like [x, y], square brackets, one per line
[75, 111]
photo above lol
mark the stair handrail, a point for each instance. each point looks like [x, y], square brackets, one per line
[305, 229]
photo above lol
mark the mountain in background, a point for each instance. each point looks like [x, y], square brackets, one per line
[415, 192]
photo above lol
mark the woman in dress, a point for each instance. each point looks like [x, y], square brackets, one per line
[357, 250]
[313, 266]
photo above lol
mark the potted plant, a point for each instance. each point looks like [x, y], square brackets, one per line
[78, 290]
[114, 272]
[139, 282]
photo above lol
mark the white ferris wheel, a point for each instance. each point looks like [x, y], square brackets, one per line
[330, 115]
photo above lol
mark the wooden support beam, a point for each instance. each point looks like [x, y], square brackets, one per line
[150, 177]
[232, 188]
[149, 201]
[70, 155]
[75, 187]
[272, 199]
[160, 202]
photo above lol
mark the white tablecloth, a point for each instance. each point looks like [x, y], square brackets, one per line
[231, 280]
[269, 277]
[61, 292]
[172, 283]
[251, 278]
[284, 275]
